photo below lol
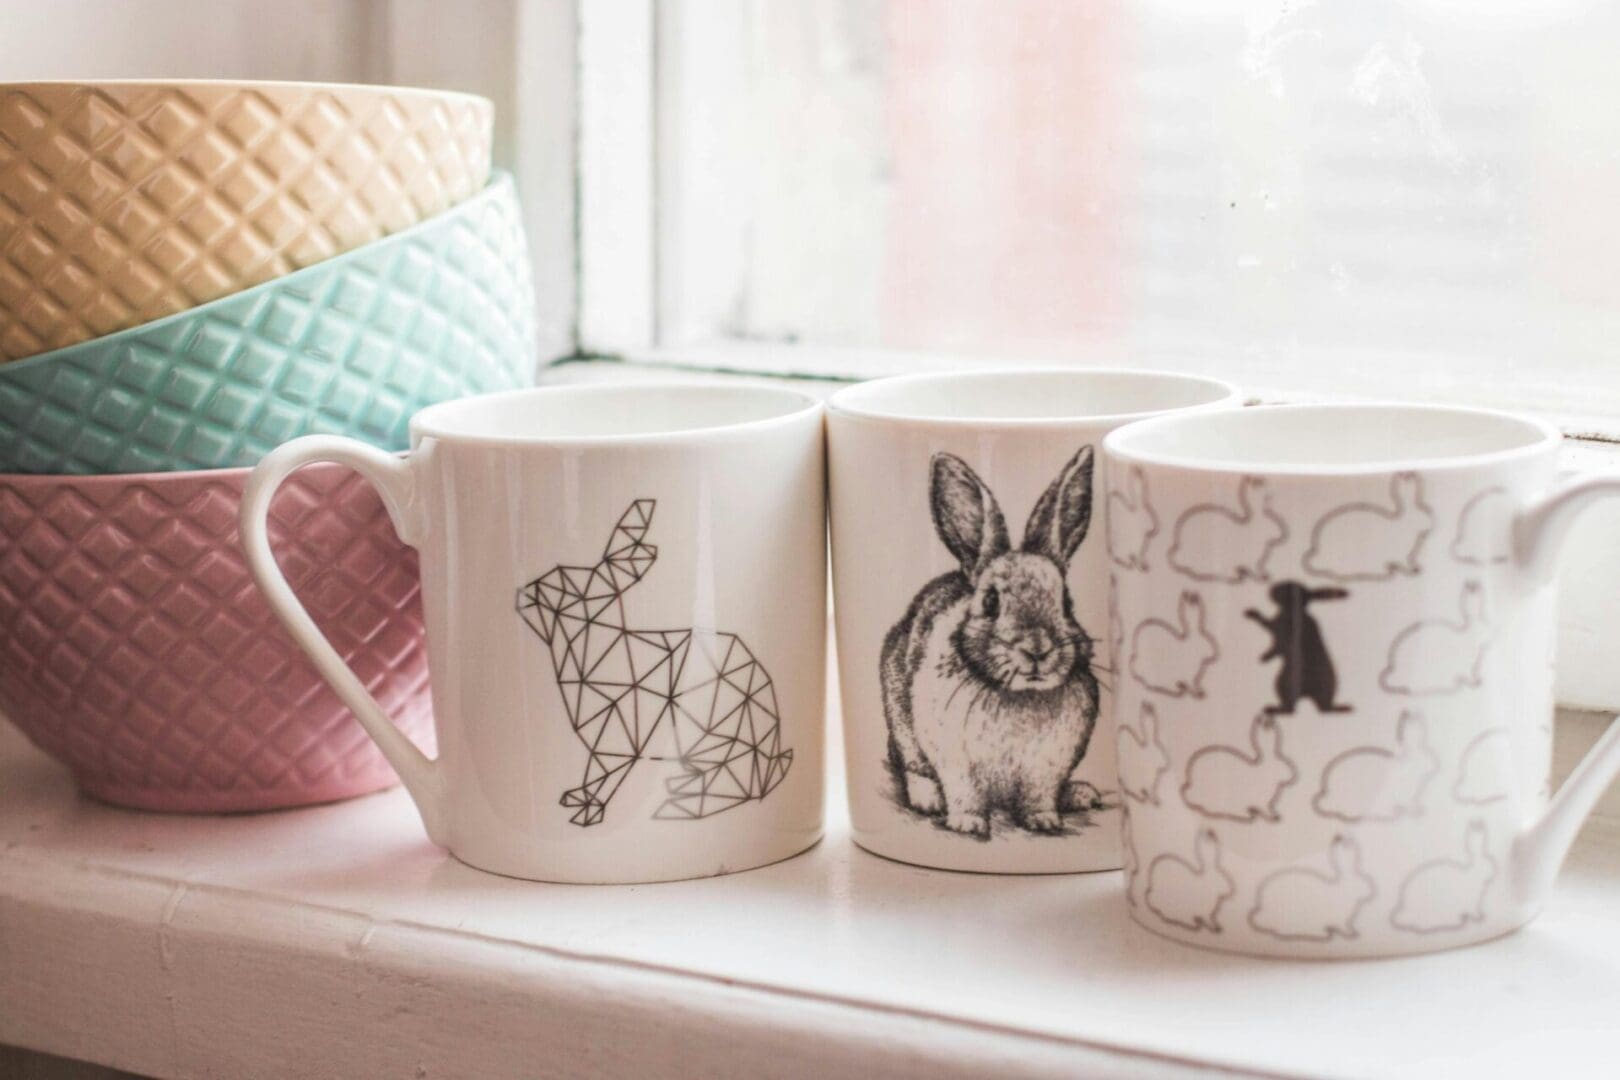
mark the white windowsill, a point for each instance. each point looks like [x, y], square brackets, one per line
[335, 941]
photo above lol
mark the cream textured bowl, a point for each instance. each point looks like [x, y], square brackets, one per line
[123, 202]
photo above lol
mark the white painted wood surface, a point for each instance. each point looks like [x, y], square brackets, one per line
[335, 941]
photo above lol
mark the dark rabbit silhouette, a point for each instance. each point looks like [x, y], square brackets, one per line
[1296, 638]
[987, 681]
[692, 696]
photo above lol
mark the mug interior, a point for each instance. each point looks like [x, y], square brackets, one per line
[1029, 396]
[1331, 437]
[567, 413]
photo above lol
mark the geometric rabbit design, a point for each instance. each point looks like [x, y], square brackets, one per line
[696, 697]
[1367, 541]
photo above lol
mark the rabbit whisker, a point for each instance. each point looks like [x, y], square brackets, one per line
[960, 683]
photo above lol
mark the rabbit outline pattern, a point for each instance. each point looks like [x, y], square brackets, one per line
[1130, 863]
[1366, 541]
[1300, 904]
[1141, 758]
[1375, 783]
[1242, 539]
[1172, 660]
[1224, 782]
[1446, 894]
[1484, 772]
[1132, 522]
[1439, 656]
[1190, 894]
[1485, 529]
[988, 690]
[700, 692]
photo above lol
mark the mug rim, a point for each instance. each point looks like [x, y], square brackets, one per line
[430, 422]
[845, 402]
[1542, 437]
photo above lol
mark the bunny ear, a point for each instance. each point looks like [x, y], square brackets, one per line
[1344, 856]
[627, 556]
[1405, 489]
[1063, 513]
[965, 514]
[1207, 849]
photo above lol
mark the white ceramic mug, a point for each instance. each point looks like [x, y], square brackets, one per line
[625, 597]
[970, 572]
[1335, 692]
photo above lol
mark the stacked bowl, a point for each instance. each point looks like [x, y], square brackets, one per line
[190, 274]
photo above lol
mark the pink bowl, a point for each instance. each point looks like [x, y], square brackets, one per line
[136, 650]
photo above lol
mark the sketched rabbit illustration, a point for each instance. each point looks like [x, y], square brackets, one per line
[1142, 759]
[1372, 783]
[1190, 894]
[987, 680]
[696, 697]
[1132, 522]
[1224, 782]
[1216, 543]
[1448, 894]
[1298, 904]
[1439, 656]
[1173, 659]
[1370, 541]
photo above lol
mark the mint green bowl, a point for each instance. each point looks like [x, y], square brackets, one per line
[352, 346]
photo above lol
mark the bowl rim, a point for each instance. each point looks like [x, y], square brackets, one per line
[83, 480]
[311, 86]
[500, 183]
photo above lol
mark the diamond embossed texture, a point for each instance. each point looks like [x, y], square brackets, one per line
[136, 650]
[124, 202]
[352, 346]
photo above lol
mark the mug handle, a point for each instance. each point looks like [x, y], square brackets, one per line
[1539, 532]
[395, 481]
